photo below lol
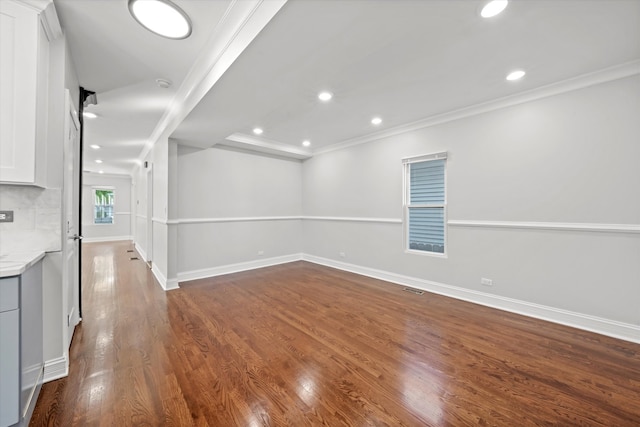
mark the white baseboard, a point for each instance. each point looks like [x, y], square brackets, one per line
[235, 268]
[624, 331]
[140, 251]
[55, 369]
[167, 284]
[105, 239]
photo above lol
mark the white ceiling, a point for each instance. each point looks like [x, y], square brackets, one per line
[120, 60]
[402, 60]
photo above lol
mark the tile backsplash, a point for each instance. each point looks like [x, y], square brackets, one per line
[36, 222]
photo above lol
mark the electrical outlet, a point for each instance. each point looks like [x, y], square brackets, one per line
[6, 216]
[342, 255]
[486, 282]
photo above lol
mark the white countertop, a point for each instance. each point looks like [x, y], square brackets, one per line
[15, 264]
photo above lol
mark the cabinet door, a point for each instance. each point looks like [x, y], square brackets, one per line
[21, 48]
[9, 367]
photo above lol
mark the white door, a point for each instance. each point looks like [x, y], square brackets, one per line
[70, 214]
[149, 216]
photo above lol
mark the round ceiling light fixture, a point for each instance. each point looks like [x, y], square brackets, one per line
[325, 96]
[493, 8]
[161, 17]
[95, 146]
[306, 143]
[515, 75]
[88, 115]
[376, 121]
[98, 161]
[257, 131]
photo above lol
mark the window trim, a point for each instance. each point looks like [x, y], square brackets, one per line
[113, 216]
[406, 203]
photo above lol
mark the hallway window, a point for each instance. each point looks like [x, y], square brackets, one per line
[103, 206]
[425, 204]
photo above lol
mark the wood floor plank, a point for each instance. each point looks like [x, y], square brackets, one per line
[305, 345]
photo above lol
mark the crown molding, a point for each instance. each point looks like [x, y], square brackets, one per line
[620, 71]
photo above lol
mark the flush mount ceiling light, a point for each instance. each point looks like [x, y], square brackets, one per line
[376, 121]
[100, 171]
[95, 146]
[515, 75]
[325, 96]
[306, 143]
[89, 115]
[257, 131]
[161, 17]
[493, 8]
[98, 161]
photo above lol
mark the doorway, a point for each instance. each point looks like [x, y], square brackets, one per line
[71, 221]
[149, 216]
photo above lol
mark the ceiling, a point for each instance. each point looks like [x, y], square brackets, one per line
[401, 60]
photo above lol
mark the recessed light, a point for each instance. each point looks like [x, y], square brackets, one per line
[325, 96]
[95, 146]
[257, 131]
[98, 161]
[89, 115]
[163, 83]
[376, 121]
[306, 143]
[516, 75]
[493, 8]
[161, 17]
[100, 171]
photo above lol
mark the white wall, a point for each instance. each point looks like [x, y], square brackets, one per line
[232, 205]
[121, 228]
[570, 158]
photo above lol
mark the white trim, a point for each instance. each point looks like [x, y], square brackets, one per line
[234, 219]
[50, 22]
[235, 268]
[354, 219]
[559, 226]
[282, 218]
[167, 284]
[141, 216]
[140, 251]
[55, 369]
[105, 239]
[122, 213]
[425, 158]
[160, 220]
[615, 329]
[590, 79]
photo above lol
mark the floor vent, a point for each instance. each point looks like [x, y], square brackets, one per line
[129, 250]
[134, 257]
[413, 291]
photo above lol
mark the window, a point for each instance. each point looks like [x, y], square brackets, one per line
[103, 206]
[425, 207]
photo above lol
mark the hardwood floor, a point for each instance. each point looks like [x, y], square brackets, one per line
[305, 345]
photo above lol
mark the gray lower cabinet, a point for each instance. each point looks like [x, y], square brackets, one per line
[21, 356]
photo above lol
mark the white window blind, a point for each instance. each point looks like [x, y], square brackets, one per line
[425, 203]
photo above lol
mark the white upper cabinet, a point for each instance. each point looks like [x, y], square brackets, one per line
[25, 34]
